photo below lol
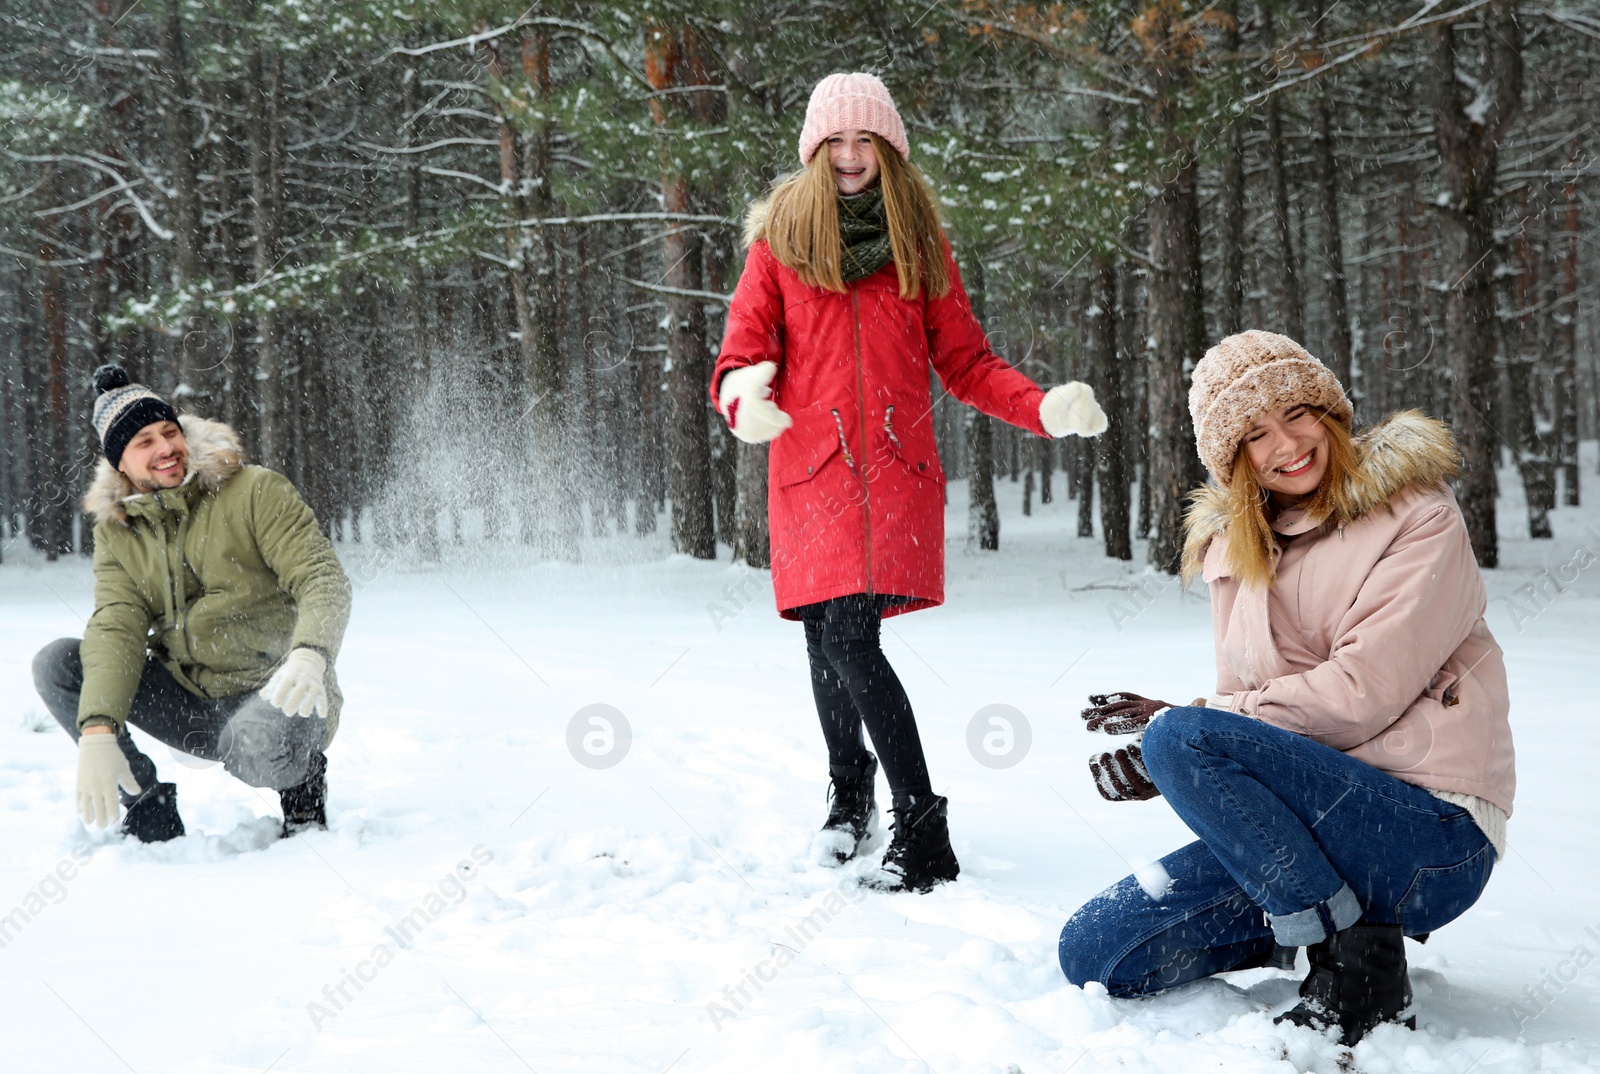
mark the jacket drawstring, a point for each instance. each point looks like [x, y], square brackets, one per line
[843, 443]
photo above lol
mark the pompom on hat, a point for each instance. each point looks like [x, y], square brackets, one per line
[853, 101]
[1248, 375]
[122, 408]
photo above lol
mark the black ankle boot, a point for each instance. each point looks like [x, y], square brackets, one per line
[1274, 957]
[152, 817]
[852, 809]
[1357, 981]
[306, 804]
[919, 855]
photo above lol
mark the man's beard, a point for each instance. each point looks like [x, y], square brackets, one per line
[152, 485]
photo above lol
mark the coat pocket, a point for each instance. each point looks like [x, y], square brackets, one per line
[802, 452]
[1444, 687]
[913, 446]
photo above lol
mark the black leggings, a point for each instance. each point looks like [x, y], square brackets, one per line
[854, 684]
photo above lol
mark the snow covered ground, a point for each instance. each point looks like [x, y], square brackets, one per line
[483, 901]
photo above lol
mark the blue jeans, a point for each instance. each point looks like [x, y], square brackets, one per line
[1297, 841]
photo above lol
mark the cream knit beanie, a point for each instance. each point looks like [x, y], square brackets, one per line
[854, 101]
[1248, 375]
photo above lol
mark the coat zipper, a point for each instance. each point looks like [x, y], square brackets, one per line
[177, 607]
[861, 418]
[178, 588]
[160, 523]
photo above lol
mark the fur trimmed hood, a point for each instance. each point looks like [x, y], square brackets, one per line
[215, 455]
[1405, 450]
[755, 221]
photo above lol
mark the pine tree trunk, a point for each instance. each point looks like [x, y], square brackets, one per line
[983, 516]
[269, 378]
[1168, 464]
[1293, 323]
[649, 453]
[58, 492]
[1083, 461]
[1045, 452]
[195, 357]
[753, 541]
[688, 367]
[417, 364]
[1194, 324]
[1468, 151]
[560, 497]
[1567, 336]
[1108, 372]
[1231, 234]
[34, 452]
[1525, 420]
[1134, 330]
[1230, 211]
[1338, 356]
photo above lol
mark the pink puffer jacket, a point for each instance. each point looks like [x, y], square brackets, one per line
[1371, 638]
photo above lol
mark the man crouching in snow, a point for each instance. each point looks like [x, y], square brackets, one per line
[218, 611]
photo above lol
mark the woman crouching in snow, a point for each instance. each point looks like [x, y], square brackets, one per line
[1353, 777]
[849, 292]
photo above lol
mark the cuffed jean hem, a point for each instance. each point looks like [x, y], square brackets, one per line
[1316, 923]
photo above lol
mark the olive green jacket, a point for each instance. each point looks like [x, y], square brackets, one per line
[219, 578]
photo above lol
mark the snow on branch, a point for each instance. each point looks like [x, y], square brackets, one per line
[681, 292]
[451, 173]
[1363, 45]
[124, 187]
[628, 218]
[471, 41]
[1586, 25]
[403, 150]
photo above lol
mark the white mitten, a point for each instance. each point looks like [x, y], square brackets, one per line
[298, 686]
[101, 770]
[745, 399]
[1069, 409]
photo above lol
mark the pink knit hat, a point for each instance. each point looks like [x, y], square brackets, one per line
[854, 101]
[1248, 375]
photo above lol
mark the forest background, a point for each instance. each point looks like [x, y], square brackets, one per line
[460, 269]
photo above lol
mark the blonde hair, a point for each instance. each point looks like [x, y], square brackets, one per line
[1250, 537]
[801, 224]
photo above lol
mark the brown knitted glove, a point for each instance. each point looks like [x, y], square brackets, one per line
[1121, 713]
[1120, 775]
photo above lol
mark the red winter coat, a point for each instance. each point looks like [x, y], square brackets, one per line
[855, 490]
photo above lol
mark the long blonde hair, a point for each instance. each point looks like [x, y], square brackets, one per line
[1249, 529]
[801, 224]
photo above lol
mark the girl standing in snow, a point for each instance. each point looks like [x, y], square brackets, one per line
[1353, 774]
[849, 292]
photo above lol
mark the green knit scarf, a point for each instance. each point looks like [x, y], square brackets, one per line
[864, 234]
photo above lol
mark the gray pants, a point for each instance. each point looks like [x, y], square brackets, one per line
[255, 741]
